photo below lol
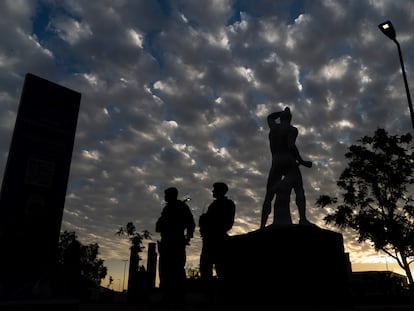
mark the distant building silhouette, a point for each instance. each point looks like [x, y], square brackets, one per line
[377, 283]
[152, 264]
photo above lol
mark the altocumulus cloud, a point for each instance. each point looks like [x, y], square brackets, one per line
[177, 93]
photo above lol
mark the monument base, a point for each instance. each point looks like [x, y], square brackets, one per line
[286, 265]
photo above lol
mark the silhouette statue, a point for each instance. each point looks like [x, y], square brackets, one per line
[284, 174]
[214, 225]
[176, 226]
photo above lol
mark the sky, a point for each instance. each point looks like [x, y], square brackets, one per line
[176, 93]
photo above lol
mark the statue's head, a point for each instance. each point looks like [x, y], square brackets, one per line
[286, 116]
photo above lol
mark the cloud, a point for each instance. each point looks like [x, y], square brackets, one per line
[177, 93]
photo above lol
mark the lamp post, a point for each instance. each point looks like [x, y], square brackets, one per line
[388, 29]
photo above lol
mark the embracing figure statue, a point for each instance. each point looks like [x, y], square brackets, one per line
[284, 174]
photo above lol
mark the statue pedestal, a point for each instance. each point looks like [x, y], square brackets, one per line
[287, 265]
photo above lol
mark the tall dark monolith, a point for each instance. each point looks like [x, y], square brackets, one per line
[34, 187]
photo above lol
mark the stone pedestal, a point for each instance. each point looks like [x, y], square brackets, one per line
[288, 265]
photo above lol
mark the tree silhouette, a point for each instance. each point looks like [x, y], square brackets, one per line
[92, 267]
[376, 202]
[136, 238]
[135, 270]
[79, 264]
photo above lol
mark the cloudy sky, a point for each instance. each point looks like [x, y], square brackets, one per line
[176, 93]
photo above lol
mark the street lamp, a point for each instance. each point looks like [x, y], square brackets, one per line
[388, 29]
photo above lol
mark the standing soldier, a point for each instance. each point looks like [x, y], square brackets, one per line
[176, 226]
[214, 225]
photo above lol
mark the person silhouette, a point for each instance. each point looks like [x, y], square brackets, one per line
[284, 174]
[214, 226]
[176, 226]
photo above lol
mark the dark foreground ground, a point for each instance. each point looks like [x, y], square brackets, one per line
[196, 301]
[118, 307]
[73, 306]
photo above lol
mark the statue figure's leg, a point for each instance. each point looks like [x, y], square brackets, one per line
[271, 186]
[301, 204]
[281, 213]
[266, 209]
[300, 198]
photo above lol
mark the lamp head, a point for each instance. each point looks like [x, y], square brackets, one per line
[388, 29]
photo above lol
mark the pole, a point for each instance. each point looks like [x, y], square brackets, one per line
[407, 90]
[123, 282]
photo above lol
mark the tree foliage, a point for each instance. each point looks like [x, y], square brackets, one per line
[82, 257]
[136, 238]
[137, 275]
[376, 202]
